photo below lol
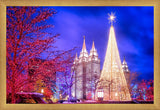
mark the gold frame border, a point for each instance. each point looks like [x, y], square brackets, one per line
[154, 3]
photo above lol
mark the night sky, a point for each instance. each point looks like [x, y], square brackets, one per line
[133, 30]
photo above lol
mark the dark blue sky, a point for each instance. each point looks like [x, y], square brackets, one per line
[133, 29]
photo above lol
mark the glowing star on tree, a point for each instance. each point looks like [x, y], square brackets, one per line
[111, 18]
[112, 79]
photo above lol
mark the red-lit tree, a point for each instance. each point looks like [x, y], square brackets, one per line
[144, 90]
[150, 91]
[142, 87]
[28, 38]
[47, 92]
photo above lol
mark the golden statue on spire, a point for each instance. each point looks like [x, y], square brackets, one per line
[84, 37]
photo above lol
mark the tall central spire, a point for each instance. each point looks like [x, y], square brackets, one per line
[84, 54]
[84, 45]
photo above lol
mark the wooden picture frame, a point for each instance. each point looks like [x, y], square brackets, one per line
[4, 3]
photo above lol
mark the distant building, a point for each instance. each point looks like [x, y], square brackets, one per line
[87, 73]
[126, 71]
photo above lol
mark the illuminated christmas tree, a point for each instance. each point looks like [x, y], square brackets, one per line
[112, 83]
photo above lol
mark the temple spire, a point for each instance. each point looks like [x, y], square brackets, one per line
[124, 59]
[93, 47]
[93, 54]
[84, 53]
[76, 57]
[125, 66]
[93, 51]
[84, 45]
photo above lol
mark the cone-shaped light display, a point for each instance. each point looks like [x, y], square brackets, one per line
[112, 80]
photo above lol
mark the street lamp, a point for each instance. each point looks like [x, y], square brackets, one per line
[42, 91]
[116, 94]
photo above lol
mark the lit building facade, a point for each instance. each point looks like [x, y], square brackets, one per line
[87, 73]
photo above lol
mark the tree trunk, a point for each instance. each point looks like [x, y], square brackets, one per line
[13, 100]
[94, 94]
[70, 95]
